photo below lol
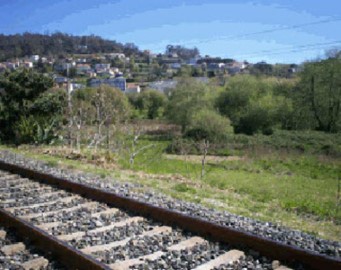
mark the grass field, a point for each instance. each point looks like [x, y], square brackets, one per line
[295, 190]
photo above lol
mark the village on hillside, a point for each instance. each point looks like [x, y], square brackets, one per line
[133, 74]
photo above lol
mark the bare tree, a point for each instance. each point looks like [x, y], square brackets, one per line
[111, 106]
[134, 149]
[82, 114]
[69, 106]
[204, 146]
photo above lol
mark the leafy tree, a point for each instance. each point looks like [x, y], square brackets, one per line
[21, 45]
[24, 93]
[261, 114]
[197, 72]
[320, 94]
[50, 103]
[252, 106]
[186, 99]
[153, 103]
[185, 71]
[210, 125]
[261, 68]
[109, 107]
[182, 52]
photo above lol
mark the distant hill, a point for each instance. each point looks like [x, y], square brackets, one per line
[20, 45]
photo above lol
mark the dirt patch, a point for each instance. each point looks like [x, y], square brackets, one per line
[197, 158]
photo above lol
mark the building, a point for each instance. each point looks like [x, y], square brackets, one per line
[34, 58]
[2, 67]
[61, 82]
[118, 82]
[82, 69]
[176, 66]
[163, 86]
[133, 88]
[60, 67]
[116, 55]
[12, 66]
[75, 86]
[102, 67]
[193, 61]
[27, 64]
[215, 66]
[95, 83]
[236, 67]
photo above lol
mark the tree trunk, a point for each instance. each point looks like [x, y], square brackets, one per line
[321, 126]
[203, 161]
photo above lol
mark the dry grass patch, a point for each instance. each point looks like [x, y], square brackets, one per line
[198, 158]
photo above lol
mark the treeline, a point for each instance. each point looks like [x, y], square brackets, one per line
[182, 52]
[255, 104]
[32, 111]
[21, 45]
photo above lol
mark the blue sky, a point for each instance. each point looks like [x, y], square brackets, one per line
[275, 31]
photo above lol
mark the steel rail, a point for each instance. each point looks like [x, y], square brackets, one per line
[69, 256]
[276, 250]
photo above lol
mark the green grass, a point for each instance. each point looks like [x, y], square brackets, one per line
[295, 190]
[300, 183]
[308, 142]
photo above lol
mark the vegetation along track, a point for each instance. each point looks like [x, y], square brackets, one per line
[88, 228]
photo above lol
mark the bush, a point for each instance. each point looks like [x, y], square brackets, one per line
[26, 105]
[186, 100]
[35, 130]
[197, 134]
[208, 124]
[25, 129]
[152, 103]
[253, 105]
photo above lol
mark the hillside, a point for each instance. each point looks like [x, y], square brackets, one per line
[20, 45]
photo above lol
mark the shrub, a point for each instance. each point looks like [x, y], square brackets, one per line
[35, 130]
[210, 125]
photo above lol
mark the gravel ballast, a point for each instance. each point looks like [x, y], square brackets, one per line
[265, 229]
[16, 260]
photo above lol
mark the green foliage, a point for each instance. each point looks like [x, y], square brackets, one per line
[150, 103]
[309, 142]
[39, 130]
[111, 104]
[186, 99]
[182, 187]
[300, 184]
[58, 44]
[210, 125]
[319, 94]
[25, 129]
[49, 103]
[253, 106]
[46, 131]
[104, 105]
[261, 68]
[26, 105]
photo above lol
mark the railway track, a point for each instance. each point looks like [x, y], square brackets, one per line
[88, 228]
[15, 254]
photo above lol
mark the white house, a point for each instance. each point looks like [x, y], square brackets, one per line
[34, 58]
[133, 88]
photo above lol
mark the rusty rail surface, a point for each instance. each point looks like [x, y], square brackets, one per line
[216, 232]
[68, 255]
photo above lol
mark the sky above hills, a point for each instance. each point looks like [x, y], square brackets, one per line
[283, 31]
